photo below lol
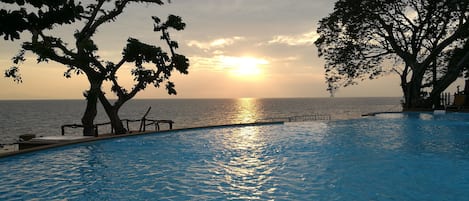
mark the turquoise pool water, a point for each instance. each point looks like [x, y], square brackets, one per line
[410, 156]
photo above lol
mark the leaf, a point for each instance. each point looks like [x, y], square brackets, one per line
[157, 20]
[175, 22]
[170, 88]
[19, 58]
[14, 72]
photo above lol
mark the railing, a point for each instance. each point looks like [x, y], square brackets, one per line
[313, 117]
[62, 128]
[143, 124]
[445, 98]
[147, 122]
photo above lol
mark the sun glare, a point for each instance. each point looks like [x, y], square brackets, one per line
[244, 66]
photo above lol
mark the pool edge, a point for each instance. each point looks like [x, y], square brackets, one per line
[112, 136]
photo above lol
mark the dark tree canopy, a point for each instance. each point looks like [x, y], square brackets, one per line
[152, 65]
[44, 16]
[414, 38]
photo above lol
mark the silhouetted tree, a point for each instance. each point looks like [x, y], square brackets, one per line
[37, 17]
[423, 41]
[140, 54]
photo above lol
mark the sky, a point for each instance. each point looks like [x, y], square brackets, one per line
[236, 48]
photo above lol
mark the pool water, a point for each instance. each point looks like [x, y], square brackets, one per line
[402, 156]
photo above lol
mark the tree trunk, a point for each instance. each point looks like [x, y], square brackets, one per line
[116, 122]
[90, 113]
[441, 86]
[404, 87]
[451, 76]
[412, 96]
[436, 100]
[112, 112]
[409, 96]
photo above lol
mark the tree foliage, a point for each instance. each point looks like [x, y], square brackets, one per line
[366, 39]
[44, 16]
[141, 54]
[152, 65]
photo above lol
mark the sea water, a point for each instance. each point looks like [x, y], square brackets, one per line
[399, 156]
[44, 117]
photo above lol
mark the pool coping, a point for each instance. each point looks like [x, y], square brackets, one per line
[112, 136]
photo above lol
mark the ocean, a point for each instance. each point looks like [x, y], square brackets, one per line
[45, 117]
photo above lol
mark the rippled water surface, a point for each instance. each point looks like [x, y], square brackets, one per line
[44, 117]
[411, 156]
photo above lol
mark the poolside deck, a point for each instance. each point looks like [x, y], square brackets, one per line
[48, 140]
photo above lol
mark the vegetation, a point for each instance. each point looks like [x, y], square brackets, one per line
[41, 17]
[424, 41]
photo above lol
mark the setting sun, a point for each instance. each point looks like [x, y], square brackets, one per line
[244, 66]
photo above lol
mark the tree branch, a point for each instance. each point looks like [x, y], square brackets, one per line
[394, 44]
[85, 31]
[440, 47]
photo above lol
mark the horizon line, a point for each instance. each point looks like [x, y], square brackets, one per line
[200, 98]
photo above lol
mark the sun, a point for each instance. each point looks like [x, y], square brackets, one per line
[244, 66]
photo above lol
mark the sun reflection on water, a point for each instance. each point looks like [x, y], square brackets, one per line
[247, 170]
[247, 110]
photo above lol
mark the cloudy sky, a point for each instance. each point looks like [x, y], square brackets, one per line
[237, 48]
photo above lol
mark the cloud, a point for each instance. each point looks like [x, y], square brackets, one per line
[224, 62]
[295, 40]
[217, 52]
[214, 44]
[287, 59]
[204, 63]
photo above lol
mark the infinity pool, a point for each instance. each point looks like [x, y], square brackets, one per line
[405, 156]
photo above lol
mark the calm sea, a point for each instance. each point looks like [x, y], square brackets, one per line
[44, 117]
